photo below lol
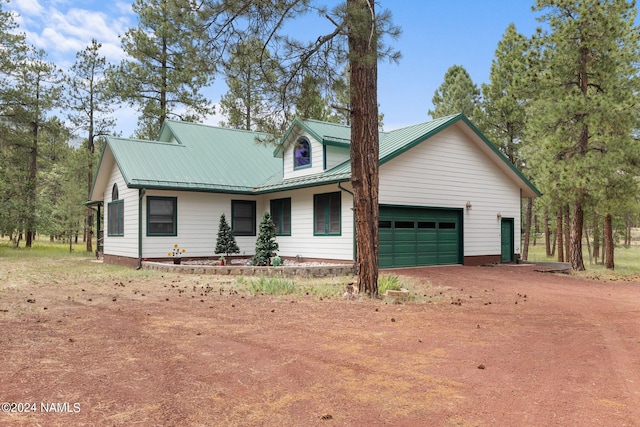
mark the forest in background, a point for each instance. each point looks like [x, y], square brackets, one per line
[562, 105]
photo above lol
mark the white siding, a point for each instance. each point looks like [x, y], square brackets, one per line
[126, 245]
[335, 155]
[302, 241]
[199, 215]
[198, 220]
[448, 170]
[316, 157]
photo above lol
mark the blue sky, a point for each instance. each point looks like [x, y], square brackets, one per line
[435, 35]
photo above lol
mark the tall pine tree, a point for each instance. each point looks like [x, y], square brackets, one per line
[586, 79]
[169, 64]
[457, 94]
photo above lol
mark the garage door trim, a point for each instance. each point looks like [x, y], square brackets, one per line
[411, 236]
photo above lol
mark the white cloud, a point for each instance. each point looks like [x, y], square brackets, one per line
[62, 31]
[27, 7]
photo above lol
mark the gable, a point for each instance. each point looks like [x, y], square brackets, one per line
[196, 157]
[395, 143]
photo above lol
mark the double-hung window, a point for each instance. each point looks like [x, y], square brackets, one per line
[162, 216]
[281, 216]
[243, 217]
[326, 214]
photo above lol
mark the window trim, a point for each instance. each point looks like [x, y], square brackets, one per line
[253, 217]
[280, 205]
[175, 216]
[295, 147]
[326, 198]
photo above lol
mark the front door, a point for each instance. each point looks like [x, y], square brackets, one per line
[506, 239]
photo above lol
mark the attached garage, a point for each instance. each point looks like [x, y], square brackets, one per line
[411, 236]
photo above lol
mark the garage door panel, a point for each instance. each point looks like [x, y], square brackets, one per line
[415, 236]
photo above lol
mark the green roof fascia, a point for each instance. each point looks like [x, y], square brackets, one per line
[446, 122]
[336, 142]
[200, 188]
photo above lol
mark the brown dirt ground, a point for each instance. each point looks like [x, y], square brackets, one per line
[503, 346]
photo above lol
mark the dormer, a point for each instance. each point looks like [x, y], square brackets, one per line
[310, 147]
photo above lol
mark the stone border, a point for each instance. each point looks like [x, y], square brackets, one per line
[239, 270]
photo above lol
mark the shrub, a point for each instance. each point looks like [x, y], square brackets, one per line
[226, 242]
[266, 243]
[391, 283]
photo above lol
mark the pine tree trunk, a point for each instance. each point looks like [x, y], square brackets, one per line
[559, 235]
[586, 238]
[609, 244]
[364, 140]
[32, 189]
[604, 244]
[567, 232]
[536, 229]
[575, 255]
[596, 238]
[547, 234]
[527, 229]
[627, 231]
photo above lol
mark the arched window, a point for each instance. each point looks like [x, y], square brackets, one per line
[114, 192]
[302, 154]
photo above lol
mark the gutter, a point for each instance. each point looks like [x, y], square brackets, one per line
[141, 193]
[355, 245]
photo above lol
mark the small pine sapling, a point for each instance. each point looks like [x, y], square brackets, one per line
[226, 242]
[266, 243]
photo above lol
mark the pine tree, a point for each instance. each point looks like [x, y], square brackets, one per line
[168, 64]
[226, 242]
[249, 77]
[266, 243]
[457, 94]
[584, 71]
[504, 98]
[91, 111]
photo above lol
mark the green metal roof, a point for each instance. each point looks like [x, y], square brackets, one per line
[202, 158]
[197, 157]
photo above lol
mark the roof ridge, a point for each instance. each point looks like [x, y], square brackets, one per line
[180, 122]
[325, 122]
[441, 119]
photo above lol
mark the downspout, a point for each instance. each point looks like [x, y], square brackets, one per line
[141, 193]
[355, 246]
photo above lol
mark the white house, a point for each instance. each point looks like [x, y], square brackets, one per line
[447, 195]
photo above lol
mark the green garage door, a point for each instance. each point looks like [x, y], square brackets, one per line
[414, 236]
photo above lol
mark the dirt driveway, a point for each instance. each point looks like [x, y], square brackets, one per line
[503, 346]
